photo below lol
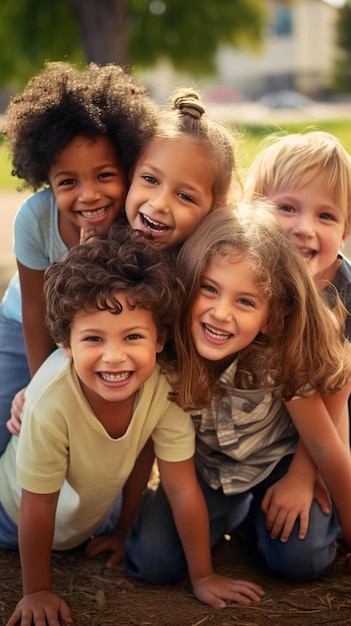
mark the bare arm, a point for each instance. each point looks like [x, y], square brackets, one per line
[290, 498]
[132, 493]
[36, 336]
[36, 530]
[322, 440]
[191, 518]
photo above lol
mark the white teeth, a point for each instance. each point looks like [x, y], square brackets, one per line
[114, 378]
[151, 224]
[307, 253]
[96, 213]
[215, 333]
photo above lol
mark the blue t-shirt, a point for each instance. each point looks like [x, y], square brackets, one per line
[37, 244]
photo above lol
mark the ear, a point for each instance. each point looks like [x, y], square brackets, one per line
[265, 330]
[68, 352]
[221, 203]
[161, 342]
[343, 238]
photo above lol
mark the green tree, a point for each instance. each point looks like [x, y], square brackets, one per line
[135, 32]
[342, 72]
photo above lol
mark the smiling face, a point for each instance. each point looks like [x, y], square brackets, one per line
[229, 311]
[89, 183]
[171, 190]
[113, 354]
[315, 224]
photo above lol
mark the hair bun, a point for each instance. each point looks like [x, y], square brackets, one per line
[189, 104]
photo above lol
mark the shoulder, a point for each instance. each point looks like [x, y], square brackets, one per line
[38, 202]
[53, 374]
[343, 273]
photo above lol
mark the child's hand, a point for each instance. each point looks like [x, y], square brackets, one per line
[86, 234]
[215, 590]
[41, 607]
[107, 543]
[288, 500]
[15, 422]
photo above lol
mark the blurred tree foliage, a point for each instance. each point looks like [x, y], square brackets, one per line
[135, 32]
[342, 71]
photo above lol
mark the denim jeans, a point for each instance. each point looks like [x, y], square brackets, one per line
[154, 552]
[8, 531]
[14, 372]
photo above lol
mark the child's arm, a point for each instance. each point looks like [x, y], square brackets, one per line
[132, 493]
[290, 497]
[191, 519]
[36, 335]
[36, 530]
[323, 442]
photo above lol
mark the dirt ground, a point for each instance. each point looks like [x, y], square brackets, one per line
[99, 597]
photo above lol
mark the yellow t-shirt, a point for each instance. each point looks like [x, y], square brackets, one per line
[64, 447]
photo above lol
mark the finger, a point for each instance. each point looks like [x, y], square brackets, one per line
[278, 524]
[266, 502]
[240, 593]
[271, 516]
[323, 500]
[115, 558]
[10, 427]
[287, 528]
[304, 521]
[65, 613]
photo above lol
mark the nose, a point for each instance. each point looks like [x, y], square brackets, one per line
[89, 192]
[303, 226]
[114, 354]
[160, 200]
[222, 310]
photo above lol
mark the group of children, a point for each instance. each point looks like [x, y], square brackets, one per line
[128, 249]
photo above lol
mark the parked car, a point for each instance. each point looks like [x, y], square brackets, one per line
[285, 99]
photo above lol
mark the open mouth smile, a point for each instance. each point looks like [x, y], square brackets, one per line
[215, 333]
[109, 377]
[94, 214]
[153, 225]
[307, 253]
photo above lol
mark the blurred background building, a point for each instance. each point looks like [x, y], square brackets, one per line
[298, 53]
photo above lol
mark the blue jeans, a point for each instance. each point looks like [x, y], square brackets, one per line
[154, 552]
[8, 531]
[14, 372]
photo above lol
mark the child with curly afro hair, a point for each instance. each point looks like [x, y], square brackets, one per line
[73, 135]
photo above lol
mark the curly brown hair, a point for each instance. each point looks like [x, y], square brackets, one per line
[62, 102]
[92, 274]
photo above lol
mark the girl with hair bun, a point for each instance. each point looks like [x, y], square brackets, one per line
[183, 173]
